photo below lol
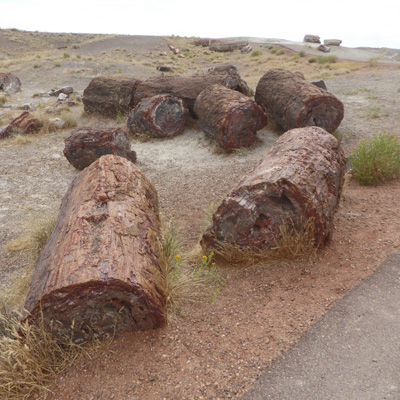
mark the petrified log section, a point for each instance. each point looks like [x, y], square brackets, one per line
[159, 116]
[293, 102]
[9, 83]
[232, 71]
[312, 39]
[300, 177]
[321, 84]
[186, 88]
[229, 117]
[107, 96]
[332, 42]
[201, 42]
[99, 268]
[86, 145]
[224, 46]
[26, 123]
[323, 48]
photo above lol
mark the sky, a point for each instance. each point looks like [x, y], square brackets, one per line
[358, 23]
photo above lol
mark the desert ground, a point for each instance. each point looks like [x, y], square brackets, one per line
[219, 348]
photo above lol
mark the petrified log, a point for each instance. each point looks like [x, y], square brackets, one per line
[158, 116]
[100, 268]
[186, 88]
[321, 84]
[174, 48]
[323, 48]
[64, 90]
[300, 178]
[201, 42]
[293, 102]
[312, 39]
[224, 46]
[164, 68]
[229, 117]
[332, 42]
[107, 96]
[86, 145]
[26, 123]
[232, 71]
[9, 83]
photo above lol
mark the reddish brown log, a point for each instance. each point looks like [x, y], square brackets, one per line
[293, 102]
[300, 178]
[186, 88]
[159, 116]
[107, 96]
[224, 46]
[229, 117]
[9, 83]
[100, 268]
[26, 123]
[232, 71]
[86, 145]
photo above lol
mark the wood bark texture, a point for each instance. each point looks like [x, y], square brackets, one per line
[107, 96]
[293, 102]
[227, 46]
[229, 117]
[25, 123]
[86, 145]
[300, 178]
[232, 71]
[186, 88]
[100, 268]
[9, 83]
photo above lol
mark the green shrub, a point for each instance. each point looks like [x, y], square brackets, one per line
[57, 64]
[3, 100]
[327, 59]
[256, 53]
[312, 60]
[376, 160]
[280, 52]
[302, 53]
[66, 55]
[273, 51]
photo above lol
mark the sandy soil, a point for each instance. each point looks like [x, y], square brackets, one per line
[218, 350]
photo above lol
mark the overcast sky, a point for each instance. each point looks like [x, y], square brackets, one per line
[356, 22]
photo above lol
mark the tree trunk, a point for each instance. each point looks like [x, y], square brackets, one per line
[201, 42]
[300, 178]
[229, 117]
[293, 102]
[100, 268]
[186, 88]
[9, 83]
[159, 116]
[26, 123]
[227, 46]
[107, 96]
[84, 146]
[332, 42]
[231, 70]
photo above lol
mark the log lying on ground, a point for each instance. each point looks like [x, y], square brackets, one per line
[100, 268]
[201, 42]
[107, 96]
[312, 39]
[293, 102]
[9, 83]
[232, 71]
[26, 124]
[224, 46]
[300, 178]
[332, 42]
[158, 116]
[186, 88]
[84, 146]
[229, 117]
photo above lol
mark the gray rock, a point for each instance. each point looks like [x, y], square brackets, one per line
[332, 42]
[57, 122]
[246, 49]
[27, 107]
[62, 97]
[65, 90]
[312, 39]
[324, 48]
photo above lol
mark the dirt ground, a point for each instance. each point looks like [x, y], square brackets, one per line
[218, 350]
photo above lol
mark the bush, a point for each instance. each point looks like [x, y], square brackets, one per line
[302, 53]
[256, 53]
[57, 64]
[327, 59]
[66, 55]
[312, 60]
[280, 52]
[3, 100]
[376, 160]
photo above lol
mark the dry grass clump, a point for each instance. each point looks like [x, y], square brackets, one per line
[69, 120]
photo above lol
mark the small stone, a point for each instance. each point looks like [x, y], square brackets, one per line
[62, 97]
[57, 122]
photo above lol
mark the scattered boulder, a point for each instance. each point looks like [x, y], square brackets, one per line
[27, 107]
[164, 68]
[227, 46]
[62, 97]
[57, 123]
[26, 124]
[173, 48]
[332, 42]
[324, 48]
[100, 272]
[64, 90]
[86, 145]
[163, 53]
[293, 102]
[229, 117]
[158, 116]
[312, 39]
[321, 84]
[246, 49]
[300, 179]
[9, 83]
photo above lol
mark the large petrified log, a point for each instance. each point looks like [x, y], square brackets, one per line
[300, 178]
[9, 83]
[84, 146]
[201, 42]
[229, 117]
[227, 46]
[186, 88]
[232, 71]
[100, 268]
[107, 96]
[158, 116]
[293, 102]
[332, 42]
[312, 39]
[26, 123]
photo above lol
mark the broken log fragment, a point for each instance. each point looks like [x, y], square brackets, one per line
[100, 269]
[229, 117]
[232, 71]
[25, 124]
[299, 179]
[201, 42]
[84, 146]
[107, 96]
[227, 46]
[332, 42]
[158, 116]
[9, 83]
[312, 39]
[293, 102]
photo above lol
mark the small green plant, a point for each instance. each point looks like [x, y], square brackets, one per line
[294, 58]
[312, 60]
[256, 53]
[78, 56]
[119, 117]
[280, 52]
[373, 62]
[37, 56]
[69, 120]
[3, 100]
[376, 160]
[270, 47]
[57, 64]
[66, 55]
[331, 59]
[302, 53]
[373, 111]
[273, 50]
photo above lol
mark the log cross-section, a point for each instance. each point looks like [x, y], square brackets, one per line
[100, 270]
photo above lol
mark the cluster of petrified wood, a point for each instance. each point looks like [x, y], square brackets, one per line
[101, 270]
